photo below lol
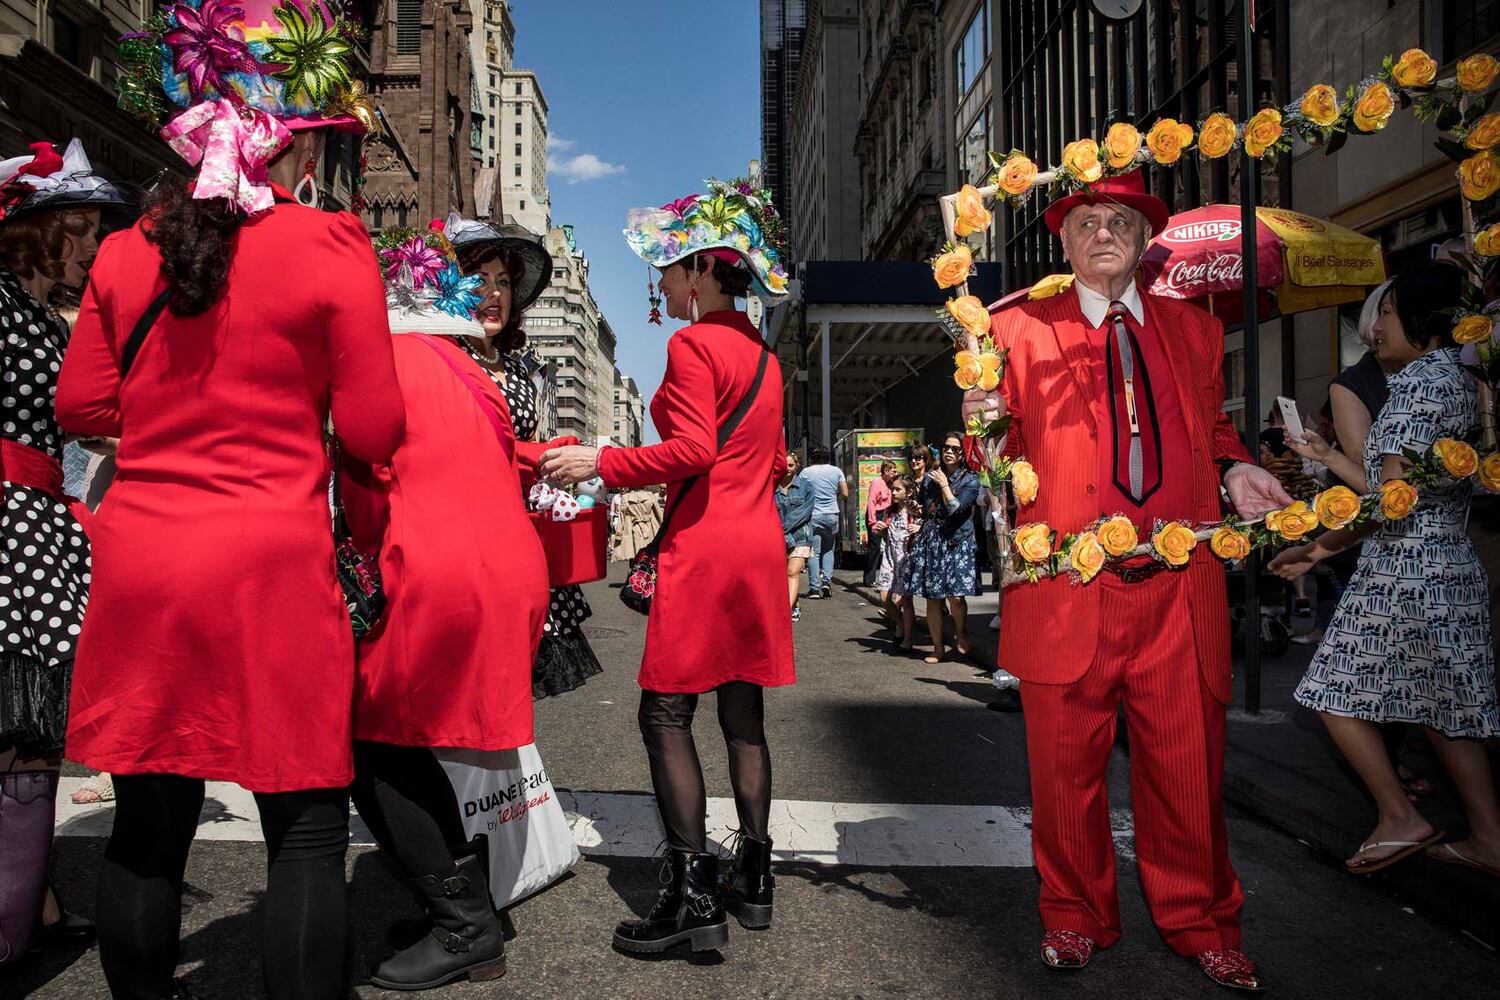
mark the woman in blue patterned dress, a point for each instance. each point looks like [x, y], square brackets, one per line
[942, 565]
[1411, 639]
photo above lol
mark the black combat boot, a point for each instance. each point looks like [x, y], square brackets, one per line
[688, 909]
[748, 886]
[465, 942]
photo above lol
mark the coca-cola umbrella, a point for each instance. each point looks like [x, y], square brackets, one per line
[1302, 262]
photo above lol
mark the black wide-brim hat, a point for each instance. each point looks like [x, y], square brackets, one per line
[72, 185]
[469, 235]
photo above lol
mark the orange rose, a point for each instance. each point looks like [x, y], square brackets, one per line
[967, 370]
[1086, 556]
[1262, 132]
[989, 378]
[1024, 482]
[1292, 522]
[1415, 68]
[1486, 132]
[1374, 107]
[1336, 507]
[1489, 472]
[1477, 72]
[1016, 175]
[1229, 544]
[1487, 241]
[1216, 137]
[970, 314]
[1118, 535]
[1397, 498]
[1472, 329]
[1034, 542]
[1320, 105]
[1081, 159]
[972, 216]
[1174, 542]
[1166, 139]
[1121, 143]
[1479, 176]
[1458, 457]
[952, 268]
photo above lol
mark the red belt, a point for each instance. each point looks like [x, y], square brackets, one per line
[23, 465]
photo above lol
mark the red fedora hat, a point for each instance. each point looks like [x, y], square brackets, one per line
[1123, 189]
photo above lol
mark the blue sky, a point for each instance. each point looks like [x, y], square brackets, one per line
[666, 91]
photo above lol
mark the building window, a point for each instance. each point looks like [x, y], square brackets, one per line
[379, 216]
[972, 51]
[492, 142]
[518, 128]
[973, 158]
[494, 101]
[492, 121]
[67, 41]
[493, 82]
[523, 204]
[518, 108]
[518, 169]
[518, 88]
[401, 215]
[1469, 24]
[518, 149]
[408, 28]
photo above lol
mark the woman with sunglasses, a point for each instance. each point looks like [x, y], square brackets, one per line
[942, 567]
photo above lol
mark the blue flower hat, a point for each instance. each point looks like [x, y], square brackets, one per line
[425, 292]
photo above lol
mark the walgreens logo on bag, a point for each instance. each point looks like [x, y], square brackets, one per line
[514, 800]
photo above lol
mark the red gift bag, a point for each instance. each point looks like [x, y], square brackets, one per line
[575, 549]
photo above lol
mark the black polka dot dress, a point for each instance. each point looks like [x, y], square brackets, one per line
[44, 553]
[565, 659]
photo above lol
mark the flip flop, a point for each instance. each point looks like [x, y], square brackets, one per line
[94, 790]
[1407, 849]
[1450, 855]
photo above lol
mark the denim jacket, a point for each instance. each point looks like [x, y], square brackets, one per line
[957, 523]
[795, 506]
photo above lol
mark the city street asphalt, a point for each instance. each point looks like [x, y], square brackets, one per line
[915, 750]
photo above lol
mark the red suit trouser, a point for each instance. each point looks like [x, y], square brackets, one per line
[1147, 660]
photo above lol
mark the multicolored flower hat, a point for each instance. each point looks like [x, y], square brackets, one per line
[43, 179]
[733, 216]
[425, 292]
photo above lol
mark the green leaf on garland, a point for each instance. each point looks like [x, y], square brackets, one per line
[1455, 151]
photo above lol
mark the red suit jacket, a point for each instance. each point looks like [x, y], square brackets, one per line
[1049, 631]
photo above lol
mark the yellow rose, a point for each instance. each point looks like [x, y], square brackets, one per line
[972, 216]
[970, 314]
[989, 377]
[1477, 72]
[1457, 457]
[1472, 329]
[1374, 107]
[1118, 535]
[1292, 522]
[1081, 159]
[1487, 241]
[1086, 556]
[1217, 136]
[1229, 544]
[1336, 507]
[1166, 139]
[1415, 68]
[1397, 498]
[1121, 143]
[1262, 132]
[1479, 176]
[1016, 175]
[1034, 542]
[1174, 542]
[1024, 482]
[953, 267]
[1320, 105]
[967, 370]
[1486, 132]
[1489, 472]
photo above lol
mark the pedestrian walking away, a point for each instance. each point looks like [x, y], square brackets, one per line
[829, 489]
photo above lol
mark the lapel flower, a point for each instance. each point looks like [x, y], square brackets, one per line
[206, 43]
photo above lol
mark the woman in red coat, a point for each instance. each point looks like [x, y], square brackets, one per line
[449, 663]
[718, 618]
[217, 644]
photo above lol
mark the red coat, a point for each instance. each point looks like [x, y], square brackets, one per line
[1056, 419]
[216, 643]
[449, 663]
[720, 612]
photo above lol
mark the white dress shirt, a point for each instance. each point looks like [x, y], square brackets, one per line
[1096, 307]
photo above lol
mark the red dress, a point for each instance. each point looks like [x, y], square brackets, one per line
[216, 643]
[720, 611]
[449, 663]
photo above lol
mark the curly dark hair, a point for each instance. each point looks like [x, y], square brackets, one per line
[196, 238]
[511, 337]
[34, 242]
[733, 281]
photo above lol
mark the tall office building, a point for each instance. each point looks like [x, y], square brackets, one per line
[522, 166]
[782, 25]
[566, 328]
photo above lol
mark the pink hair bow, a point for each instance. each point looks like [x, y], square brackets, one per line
[233, 144]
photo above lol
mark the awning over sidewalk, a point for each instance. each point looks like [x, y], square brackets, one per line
[854, 329]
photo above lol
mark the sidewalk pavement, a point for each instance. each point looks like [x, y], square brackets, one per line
[1280, 765]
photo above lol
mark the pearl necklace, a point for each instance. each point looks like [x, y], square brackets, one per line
[491, 358]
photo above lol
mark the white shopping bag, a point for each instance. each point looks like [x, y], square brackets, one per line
[506, 796]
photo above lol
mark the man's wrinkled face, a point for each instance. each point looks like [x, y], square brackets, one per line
[1104, 242]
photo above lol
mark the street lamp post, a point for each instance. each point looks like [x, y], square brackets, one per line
[1249, 176]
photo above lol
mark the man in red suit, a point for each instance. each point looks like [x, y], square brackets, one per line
[1115, 398]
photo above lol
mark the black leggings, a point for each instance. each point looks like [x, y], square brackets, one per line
[667, 725]
[405, 798]
[140, 887]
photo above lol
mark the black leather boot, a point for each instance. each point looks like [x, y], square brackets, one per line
[688, 909]
[748, 886]
[465, 942]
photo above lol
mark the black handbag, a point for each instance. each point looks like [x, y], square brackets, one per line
[358, 571]
[641, 581]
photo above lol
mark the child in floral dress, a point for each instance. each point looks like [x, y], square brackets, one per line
[904, 523]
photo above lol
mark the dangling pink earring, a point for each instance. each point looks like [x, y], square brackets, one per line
[653, 298]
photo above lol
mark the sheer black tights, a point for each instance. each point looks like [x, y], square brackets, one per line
[407, 801]
[676, 776]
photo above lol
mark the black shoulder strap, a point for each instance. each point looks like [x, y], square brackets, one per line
[142, 327]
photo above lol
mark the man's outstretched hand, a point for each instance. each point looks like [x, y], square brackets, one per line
[1254, 491]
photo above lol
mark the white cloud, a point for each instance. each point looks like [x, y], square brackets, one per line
[559, 145]
[580, 168]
